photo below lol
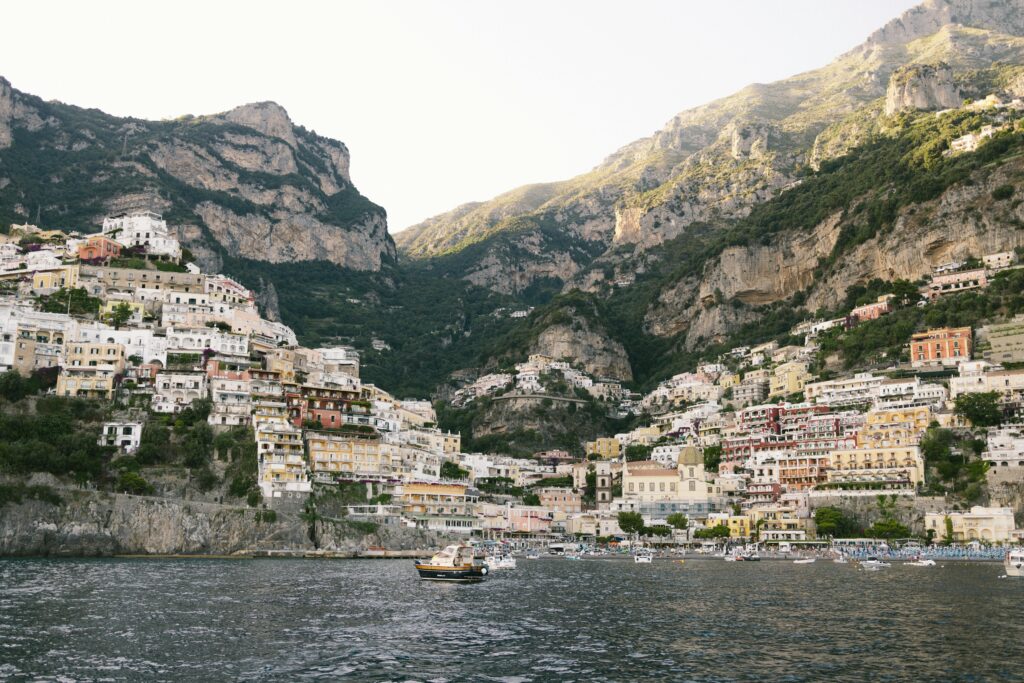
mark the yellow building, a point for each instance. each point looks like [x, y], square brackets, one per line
[894, 427]
[788, 378]
[892, 464]
[439, 507]
[89, 369]
[740, 526]
[354, 454]
[55, 278]
[729, 379]
[280, 451]
[605, 448]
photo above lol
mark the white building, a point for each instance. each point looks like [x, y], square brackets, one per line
[124, 435]
[198, 339]
[175, 391]
[143, 229]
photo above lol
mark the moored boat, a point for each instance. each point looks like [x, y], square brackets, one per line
[873, 564]
[455, 563]
[921, 562]
[1014, 562]
[806, 560]
[643, 556]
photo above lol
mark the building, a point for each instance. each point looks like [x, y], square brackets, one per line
[282, 470]
[350, 455]
[90, 369]
[98, 248]
[143, 229]
[749, 392]
[954, 283]
[560, 499]
[1006, 342]
[872, 311]
[893, 467]
[1005, 454]
[175, 391]
[123, 435]
[439, 507]
[995, 525]
[656, 491]
[605, 448]
[231, 395]
[940, 347]
[999, 261]
[788, 378]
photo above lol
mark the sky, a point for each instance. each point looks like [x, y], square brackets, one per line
[439, 103]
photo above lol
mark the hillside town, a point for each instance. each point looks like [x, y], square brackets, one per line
[747, 447]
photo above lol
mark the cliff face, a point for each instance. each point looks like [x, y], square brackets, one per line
[592, 348]
[966, 220]
[247, 182]
[715, 162]
[921, 86]
[91, 524]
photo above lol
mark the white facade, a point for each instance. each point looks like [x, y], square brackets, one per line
[125, 435]
[143, 229]
[175, 391]
[198, 339]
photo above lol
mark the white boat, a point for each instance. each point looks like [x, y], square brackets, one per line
[533, 555]
[1014, 562]
[501, 562]
[873, 564]
[808, 560]
[573, 556]
[921, 562]
[643, 556]
[457, 562]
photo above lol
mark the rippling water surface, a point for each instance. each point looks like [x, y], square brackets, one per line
[549, 620]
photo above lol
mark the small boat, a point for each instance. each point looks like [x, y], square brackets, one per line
[921, 562]
[455, 563]
[500, 562]
[643, 556]
[573, 556]
[748, 557]
[807, 560]
[533, 555]
[873, 564]
[1014, 562]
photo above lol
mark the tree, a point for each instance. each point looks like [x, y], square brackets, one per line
[981, 409]
[712, 458]
[887, 528]
[717, 531]
[637, 451]
[677, 520]
[631, 522]
[590, 488]
[531, 499]
[120, 314]
[948, 524]
[831, 521]
[132, 482]
[13, 386]
[451, 470]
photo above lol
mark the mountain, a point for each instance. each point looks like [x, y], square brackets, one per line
[247, 183]
[715, 162]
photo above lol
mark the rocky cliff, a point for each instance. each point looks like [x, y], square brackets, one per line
[90, 524]
[586, 344]
[248, 182]
[715, 162]
[921, 87]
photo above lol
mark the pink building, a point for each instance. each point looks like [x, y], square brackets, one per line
[953, 283]
[874, 310]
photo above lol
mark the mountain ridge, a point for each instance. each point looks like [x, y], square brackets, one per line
[246, 182]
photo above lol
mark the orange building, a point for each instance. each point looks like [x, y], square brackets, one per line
[99, 247]
[943, 346]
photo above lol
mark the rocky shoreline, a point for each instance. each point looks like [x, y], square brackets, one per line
[99, 524]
